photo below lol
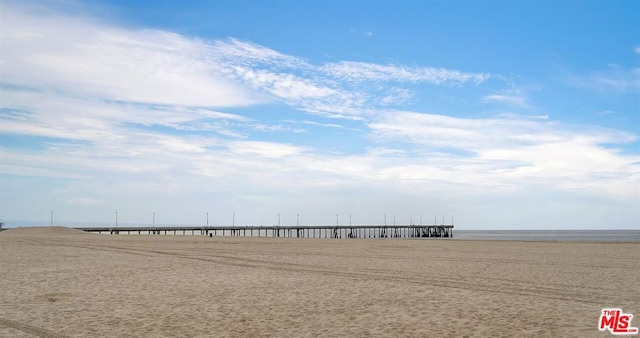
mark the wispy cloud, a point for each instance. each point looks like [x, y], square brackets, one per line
[90, 59]
[396, 96]
[511, 97]
[328, 125]
[510, 151]
[362, 71]
[82, 57]
[265, 149]
[618, 79]
[234, 51]
[614, 79]
[333, 89]
[605, 112]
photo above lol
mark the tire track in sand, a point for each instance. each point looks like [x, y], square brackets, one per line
[30, 329]
[549, 292]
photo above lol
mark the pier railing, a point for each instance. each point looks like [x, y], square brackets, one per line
[328, 231]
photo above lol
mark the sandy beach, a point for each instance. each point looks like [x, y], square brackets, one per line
[59, 282]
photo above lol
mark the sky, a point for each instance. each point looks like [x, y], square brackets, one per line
[500, 115]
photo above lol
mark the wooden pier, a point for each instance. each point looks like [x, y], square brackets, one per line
[335, 231]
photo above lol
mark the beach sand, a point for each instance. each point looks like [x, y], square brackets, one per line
[58, 282]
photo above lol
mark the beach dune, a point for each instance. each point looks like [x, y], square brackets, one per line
[60, 282]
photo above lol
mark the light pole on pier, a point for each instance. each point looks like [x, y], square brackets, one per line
[298, 220]
[207, 220]
[394, 220]
[336, 219]
[385, 220]
[278, 219]
[51, 221]
[233, 220]
[154, 219]
[349, 220]
[116, 219]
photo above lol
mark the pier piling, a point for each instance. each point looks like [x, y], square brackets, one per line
[332, 231]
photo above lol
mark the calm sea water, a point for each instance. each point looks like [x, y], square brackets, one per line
[550, 235]
[513, 235]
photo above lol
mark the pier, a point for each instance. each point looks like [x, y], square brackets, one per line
[328, 231]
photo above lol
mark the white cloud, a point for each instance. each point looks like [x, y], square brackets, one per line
[289, 87]
[434, 131]
[362, 71]
[244, 53]
[81, 57]
[511, 97]
[178, 145]
[510, 152]
[271, 128]
[265, 149]
[396, 96]
[53, 115]
[328, 125]
[78, 56]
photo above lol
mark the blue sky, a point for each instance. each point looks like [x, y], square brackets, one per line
[505, 115]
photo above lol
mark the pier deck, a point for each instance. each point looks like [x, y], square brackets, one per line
[328, 231]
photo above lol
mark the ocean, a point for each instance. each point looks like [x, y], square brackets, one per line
[550, 235]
